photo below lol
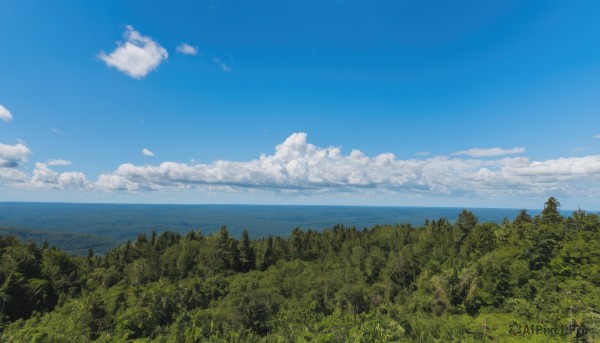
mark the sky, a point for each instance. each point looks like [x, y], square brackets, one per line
[395, 103]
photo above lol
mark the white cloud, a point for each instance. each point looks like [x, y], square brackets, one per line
[111, 182]
[224, 67]
[5, 114]
[138, 56]
[12, 156]
[147, 152]
[59, 162]
[44, 177]
[12, 175]
[597, 136]
[490, 152]
[298, 167]
[186, 49]
[57, 131]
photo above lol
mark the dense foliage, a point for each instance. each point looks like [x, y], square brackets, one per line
[530, 278]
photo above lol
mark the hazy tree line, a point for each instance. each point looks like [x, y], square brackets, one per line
[463, 281]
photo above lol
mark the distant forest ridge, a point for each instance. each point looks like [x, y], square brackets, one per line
[75, 227]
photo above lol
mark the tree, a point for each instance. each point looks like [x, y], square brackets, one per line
[227, 250]
[253, 309]
[142, 239]
[269, 255]
[153, 238]
[61, 270]
[95, 316]
[90, 258]
[296, 242]
[522, 218]
[465, 222]
[481, 240]
[247, 256]
[550, 214]
[355, 296]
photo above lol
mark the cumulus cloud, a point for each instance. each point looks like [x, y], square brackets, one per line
[298, 167]
[44, 177]
[147, 152]
[59, 162]
[11, 156]
[12, 176]
[5, 114]
[186, 49]
[137, 56]
[489, 152]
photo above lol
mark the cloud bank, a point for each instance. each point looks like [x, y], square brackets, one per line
[137, 57]
[297, 166]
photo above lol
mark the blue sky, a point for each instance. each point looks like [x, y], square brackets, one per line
[474, 103]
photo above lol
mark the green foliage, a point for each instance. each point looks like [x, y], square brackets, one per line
[461, 282]
[247, 255]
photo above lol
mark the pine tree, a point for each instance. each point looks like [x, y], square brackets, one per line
[247, 256]
[153, 238]
[296, 242]
[465, 222]
[522, 218]
[227, 250]
[550, 214]
[269, 255]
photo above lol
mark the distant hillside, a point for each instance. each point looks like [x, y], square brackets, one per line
[73, 243]
[120, 222]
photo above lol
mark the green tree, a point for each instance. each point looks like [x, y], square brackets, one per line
[522, 218]
[227, 250]
[95, 316]
[550, 214]
[247, 256]
[465, 222]
[269, 257]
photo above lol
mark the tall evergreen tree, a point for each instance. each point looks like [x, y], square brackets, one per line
[247, 256]
[522, 218]
[296, 242]
[269, 255]
[465, 222]
[227, 250]
[550, 214]
[153, 238]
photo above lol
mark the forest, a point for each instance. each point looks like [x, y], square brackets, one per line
[530, 278]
